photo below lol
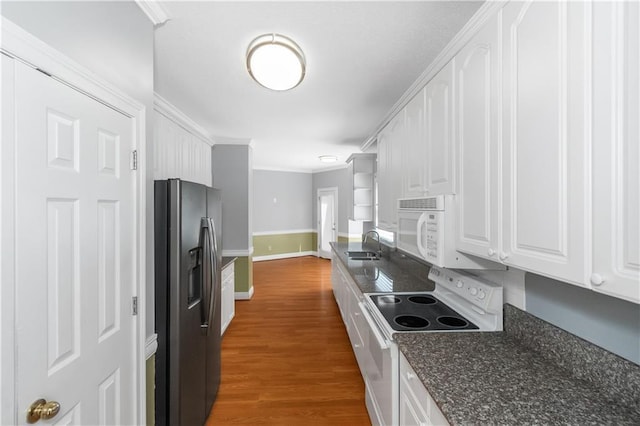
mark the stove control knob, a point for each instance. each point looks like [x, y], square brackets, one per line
[459, 284]
[481, 294]
[473, 291]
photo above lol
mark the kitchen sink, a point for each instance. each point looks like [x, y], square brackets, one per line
[362, 255]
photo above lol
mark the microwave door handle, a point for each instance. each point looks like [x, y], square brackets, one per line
[421, 248]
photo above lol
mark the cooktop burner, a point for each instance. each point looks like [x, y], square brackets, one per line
[419, 312]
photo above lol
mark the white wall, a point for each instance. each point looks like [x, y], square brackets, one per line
[115, 41]
[283, 201]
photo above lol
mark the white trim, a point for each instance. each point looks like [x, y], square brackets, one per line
[330, 169]
[150, 346]
[154, 10]
[280, 169]
[170, 111]
[285, 255]
[220, 140]
[243, 295]
[290, 231]
[463, 37]
[238, 253]
[24, 47]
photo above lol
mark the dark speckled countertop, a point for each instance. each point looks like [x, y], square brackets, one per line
[531, 373]
[226, 260]
[394, 272]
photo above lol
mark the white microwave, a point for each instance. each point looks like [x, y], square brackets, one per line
[426, 230]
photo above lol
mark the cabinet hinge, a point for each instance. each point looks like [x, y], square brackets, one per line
[134, 305]
[134, 160]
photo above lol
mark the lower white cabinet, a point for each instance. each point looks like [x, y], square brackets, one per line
[417, 408]
[228, 296]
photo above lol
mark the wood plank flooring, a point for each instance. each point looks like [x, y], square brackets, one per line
[286, 357]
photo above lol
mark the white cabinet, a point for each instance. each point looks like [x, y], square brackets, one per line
[417, 408]
[427, 151]
[361, 173]
[414, 152]
[179, 153]
[546, 136]
[477, 73]
[389, 172]
[228, 309]
[348, 297]
[438, 95]
[616, 155]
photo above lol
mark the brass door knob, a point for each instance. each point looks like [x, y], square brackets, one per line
[41, 409]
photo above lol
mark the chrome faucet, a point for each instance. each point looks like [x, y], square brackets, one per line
[364, 240]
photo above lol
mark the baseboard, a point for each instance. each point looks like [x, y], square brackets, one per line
[151, 346]
[244, 295]
[285, 255]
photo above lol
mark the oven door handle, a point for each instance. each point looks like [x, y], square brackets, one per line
[382, 342]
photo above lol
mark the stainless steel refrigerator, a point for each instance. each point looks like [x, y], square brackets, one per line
[187, 300]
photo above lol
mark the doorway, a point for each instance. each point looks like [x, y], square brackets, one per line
[327, 217]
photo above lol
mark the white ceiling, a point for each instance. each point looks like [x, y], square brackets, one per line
[361, 58]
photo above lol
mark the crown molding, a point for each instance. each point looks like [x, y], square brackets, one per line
[486, 11]
[156, 13]
[170, 111]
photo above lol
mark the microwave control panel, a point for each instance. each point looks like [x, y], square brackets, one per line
[434, 235]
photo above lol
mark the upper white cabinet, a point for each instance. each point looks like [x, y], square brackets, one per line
[414, 152]
[389, 171]
[477, 73]
[616, 155]
[438, 95]
[181, 148]
[427, 151]
[546, 121]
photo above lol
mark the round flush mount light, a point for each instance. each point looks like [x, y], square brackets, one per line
[328, 158]
[276, 62]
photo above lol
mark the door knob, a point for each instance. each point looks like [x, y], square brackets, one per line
[41, 409]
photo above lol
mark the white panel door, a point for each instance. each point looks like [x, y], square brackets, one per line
[414, 154]
[75, 253]
[616, 154]
[478, 142]
[546, 104]
[439, 132]
[326, 221]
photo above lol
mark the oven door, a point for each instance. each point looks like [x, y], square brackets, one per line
[380, 373]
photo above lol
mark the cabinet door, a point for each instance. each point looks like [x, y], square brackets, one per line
[439, 132]
[477, 73]
[414, 154]
[616, 178]
[547, 104]
[390, 142]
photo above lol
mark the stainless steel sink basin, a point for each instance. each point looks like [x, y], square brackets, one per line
[362, 255]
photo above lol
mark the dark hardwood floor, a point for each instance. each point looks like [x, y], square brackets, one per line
[286, 357]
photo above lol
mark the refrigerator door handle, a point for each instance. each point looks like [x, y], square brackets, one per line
[206, 281]
[215, 270]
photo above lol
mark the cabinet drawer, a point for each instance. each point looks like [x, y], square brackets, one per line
[415, 396]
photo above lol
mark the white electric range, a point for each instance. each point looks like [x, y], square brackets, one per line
[459, 303]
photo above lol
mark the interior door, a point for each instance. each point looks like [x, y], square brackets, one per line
[327, 222]
[74, 252]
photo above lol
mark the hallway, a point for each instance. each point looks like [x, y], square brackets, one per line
[286, 357]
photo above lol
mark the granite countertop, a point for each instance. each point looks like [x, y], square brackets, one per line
[531, 373]
[394, 272]
[226, 260]
[480, 378]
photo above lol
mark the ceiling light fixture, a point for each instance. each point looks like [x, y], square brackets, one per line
[328, 158]
[276, 62]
